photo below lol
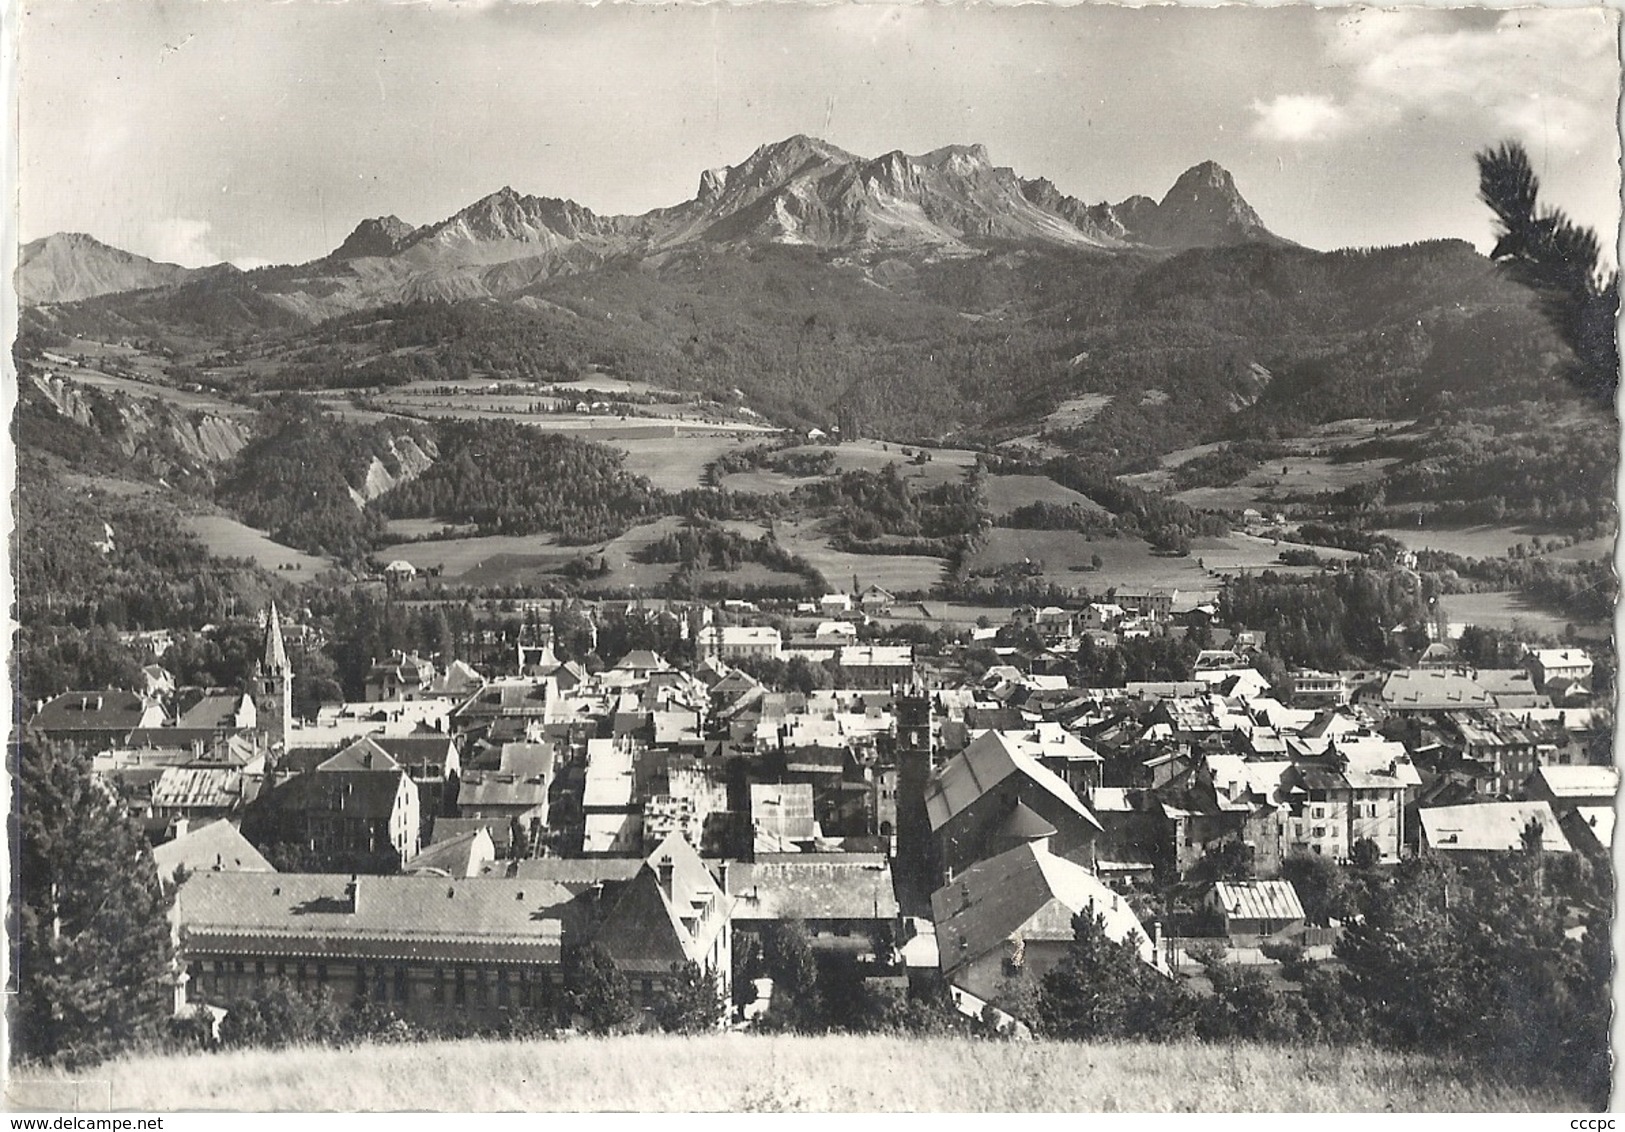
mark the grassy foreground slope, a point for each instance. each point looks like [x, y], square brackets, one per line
[753, 1073]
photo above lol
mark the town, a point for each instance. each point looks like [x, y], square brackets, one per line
[931, 812]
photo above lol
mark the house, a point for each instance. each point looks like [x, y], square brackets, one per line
[876, 602]
[673, 911]
[1011, 916]
[736, 642]
[400, 570]
[1498, 740]
[1256, 908]
[1156, 604]
[431, 948]
[994, 795]
[341, 814]
[214, 847]
[1512, 689]
[219, 712]
[1430, 691]
[781, 817]
[507, 798]
[846, 901]
[876, 666]
[1490, 827]
[835, 605]
[1566, 788]
[94, 720]
[196, 794]
[1590, 830]
[466, 854]
[1313, 688]
[398, 677]
[1569, 665]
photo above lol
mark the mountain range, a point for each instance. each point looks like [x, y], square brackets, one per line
[800, 192]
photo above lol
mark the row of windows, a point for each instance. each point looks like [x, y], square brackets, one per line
[388, 983]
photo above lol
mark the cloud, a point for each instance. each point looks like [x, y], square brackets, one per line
[1298, 117]
[1547, 75]
[180, 240]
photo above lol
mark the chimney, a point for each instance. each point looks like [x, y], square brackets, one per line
[352, 892]
[663, 872]
[366, 759]
[722, 876]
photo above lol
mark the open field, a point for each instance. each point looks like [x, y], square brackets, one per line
[1076, 411]
[1125, 562]
[676, 463]
[1007, 493]
[1493, 541]
[765, 481]
[899, 573]
[420, 528]
[946, 465]
[1505, 609]
[1236, 552]
[179, 398]
[1307, 469]
[227, 538]
[779, 1074]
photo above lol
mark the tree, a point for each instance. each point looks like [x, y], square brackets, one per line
[596, 992]
[1228, 860]
[788, 959]
[690, 1002]
[1542, 249]
[1365, 854]
[1102, 989]
[1320, 886]
[93, 941]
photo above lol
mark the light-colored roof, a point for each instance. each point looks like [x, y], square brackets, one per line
[205, 788]
[363, 754]
[1432, 689]
[609, 775]
[989, 760]
[861, 656]
[783, 812]
[1025, 891]
[1600, 819]
[459, 856]
[815, 886]
[217, 847]
[1490, 826]
[1259, 900]
[1580, 781]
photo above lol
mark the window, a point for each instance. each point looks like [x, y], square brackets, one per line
[1319, 831]
[438, 993]
[321, 974]
[502, 988]
[380, 985]
[400, 984]
[459, 991]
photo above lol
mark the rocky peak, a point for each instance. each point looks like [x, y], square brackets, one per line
[380, 236]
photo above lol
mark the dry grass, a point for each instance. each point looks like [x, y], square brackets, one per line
[227, 538]
[776, 1074]
[1007, 493]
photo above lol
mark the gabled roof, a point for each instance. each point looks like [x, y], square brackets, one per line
[459, 856]
[1027, 892]
[1491, 826]
[93, 711]
[201, 788]
[216, 847]
[422, 918]
[976, 770]
[653, 926]
[365, 753]
[488, 788]
[642, 660]
[418, 750]
[215, 711]
[1259, 900]
[1579, 781]
[369, 794]
[783, 812]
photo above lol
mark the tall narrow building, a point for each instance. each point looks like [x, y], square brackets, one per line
[272, 685]
[915, 867]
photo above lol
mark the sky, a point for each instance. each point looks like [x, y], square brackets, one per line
[264, 132]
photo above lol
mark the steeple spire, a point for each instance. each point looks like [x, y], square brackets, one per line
[275, 659]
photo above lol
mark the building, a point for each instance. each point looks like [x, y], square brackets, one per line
[673, 911]
[214, 847]
[876, 666]
[354, 815]
[846, 901]
[1011, 916]
[993, 795]
[271, 685]
[431, 948]
[1153, 603]
[1567, 788]
[92, 721]
[1256, 908]
[400, 676]
[1490, 827]
[739, 642]
[1429, 691]
[1568, 665]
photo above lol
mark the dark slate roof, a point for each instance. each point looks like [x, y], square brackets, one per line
[365, 793]
[90, 711]
[1023, 824]
[418, 918]
[416, 750]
